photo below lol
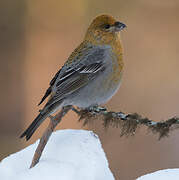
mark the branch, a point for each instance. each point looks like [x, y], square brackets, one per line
[46, 135]
[128, 123]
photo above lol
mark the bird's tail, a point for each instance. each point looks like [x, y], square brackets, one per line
[34, 125]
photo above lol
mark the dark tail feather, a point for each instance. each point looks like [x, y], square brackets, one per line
[35, 124]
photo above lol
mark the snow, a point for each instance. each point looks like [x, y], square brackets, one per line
[69, 155]
[166, 174]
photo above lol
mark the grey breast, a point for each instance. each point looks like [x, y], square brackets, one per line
[100, 88]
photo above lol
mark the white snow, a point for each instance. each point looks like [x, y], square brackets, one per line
[69, 155]
[166, 174]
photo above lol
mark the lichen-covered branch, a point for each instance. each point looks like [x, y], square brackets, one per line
[128, 123]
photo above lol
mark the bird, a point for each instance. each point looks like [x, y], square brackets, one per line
[90, 76]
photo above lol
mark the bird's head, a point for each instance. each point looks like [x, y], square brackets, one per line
[104, 29]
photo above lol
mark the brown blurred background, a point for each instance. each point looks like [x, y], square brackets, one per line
[36, 37]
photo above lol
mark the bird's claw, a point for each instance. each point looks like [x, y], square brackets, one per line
[96, 109]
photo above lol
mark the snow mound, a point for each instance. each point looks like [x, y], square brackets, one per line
[69, 155]
[166, 174]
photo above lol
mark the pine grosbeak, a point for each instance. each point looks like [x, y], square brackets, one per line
[92, 73]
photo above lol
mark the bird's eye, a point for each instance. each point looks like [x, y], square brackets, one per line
[106, 26]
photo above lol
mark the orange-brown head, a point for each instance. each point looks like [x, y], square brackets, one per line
[104, 29]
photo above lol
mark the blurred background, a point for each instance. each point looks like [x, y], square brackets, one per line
[36, 37]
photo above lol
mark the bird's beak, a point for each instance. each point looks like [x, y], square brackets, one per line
[118, 26]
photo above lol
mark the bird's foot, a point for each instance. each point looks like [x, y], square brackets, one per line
[96, 109]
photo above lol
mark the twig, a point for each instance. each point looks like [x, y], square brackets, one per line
[46, 135]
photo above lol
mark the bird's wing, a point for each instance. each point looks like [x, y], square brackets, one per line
[87, 64]
[49, 90]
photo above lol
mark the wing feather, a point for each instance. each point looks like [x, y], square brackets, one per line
[74, 82]
[76, 75]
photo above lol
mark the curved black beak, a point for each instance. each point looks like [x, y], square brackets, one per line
[119, 26]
